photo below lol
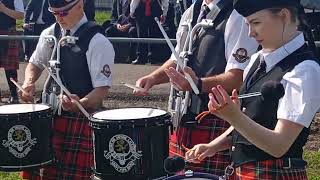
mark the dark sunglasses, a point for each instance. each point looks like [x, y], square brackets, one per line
[62, 13]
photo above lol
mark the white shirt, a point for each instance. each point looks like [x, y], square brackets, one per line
[301, 100]
[234, 39]
[18, 5]
[163, 3]
[99, 54]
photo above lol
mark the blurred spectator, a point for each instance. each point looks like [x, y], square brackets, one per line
[89, 9]
[144, 12]
[169, 25]
[37, 19]
[10, 10]
[121, 25]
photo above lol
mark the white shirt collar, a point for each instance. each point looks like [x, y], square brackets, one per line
[274, 57]
[76, 27]
[210, 5]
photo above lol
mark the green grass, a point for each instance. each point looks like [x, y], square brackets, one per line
[312, 157]
[9, 176]
[101, 16]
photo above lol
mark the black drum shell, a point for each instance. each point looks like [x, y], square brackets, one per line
[151, 136]
[39, 123]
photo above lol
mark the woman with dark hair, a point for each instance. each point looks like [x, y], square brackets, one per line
[269, 131]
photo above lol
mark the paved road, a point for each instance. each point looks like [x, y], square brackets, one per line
[121, 73]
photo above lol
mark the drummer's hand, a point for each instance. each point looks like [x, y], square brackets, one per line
[222, 105]
[2, 7]
[30, 89]
[68, 104]
[145, 83]
[199, 152]
[178, 79]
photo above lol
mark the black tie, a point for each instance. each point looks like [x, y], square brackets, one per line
[205, 10]
[259, 72]
[68, 33]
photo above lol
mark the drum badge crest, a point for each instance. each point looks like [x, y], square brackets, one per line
[19, 141]
[122, 153]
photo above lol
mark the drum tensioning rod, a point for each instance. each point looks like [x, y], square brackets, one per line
[81, 108]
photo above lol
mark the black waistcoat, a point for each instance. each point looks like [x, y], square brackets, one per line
[208, 56]
[74, 71]
[7, 22]
[264, 111]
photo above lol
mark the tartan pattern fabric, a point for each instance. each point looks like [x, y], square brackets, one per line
[269, 170]
[207, 130]
[9, 51]
[73, 150]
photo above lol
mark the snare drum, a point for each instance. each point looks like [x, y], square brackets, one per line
[130, 143]
[25, 136]
[190, 175]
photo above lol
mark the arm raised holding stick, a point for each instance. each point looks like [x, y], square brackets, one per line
[179, 61]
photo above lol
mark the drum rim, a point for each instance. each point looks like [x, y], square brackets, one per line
[39, 111]
[195, 175]
[113, 121]
[26, 166]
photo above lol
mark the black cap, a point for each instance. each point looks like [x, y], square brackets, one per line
[248, 7]
[60, 5]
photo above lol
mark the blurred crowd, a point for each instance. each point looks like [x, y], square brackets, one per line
[129, 18]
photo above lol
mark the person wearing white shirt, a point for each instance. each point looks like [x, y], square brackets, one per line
[219, 56]
[269, 130]
[86, 71]
[10, 11]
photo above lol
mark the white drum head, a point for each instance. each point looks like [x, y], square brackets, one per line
[22, 108]
[129, 113]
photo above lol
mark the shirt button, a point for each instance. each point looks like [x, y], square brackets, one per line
[244, 109]
[233, 148]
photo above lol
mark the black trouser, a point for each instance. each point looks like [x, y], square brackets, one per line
[30, 45]
[112, 31]
[146, 28]
[14, 75]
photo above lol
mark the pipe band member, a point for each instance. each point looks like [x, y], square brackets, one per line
[269, 131]
[219, 56]
[10, 11]
[86, 71]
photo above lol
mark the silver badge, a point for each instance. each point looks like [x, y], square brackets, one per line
[19, 141]
[122, 153]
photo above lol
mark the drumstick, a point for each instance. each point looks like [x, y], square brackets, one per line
[18, 86]
[132, 86]
[242, 96]
[81, 108]
[179, 60]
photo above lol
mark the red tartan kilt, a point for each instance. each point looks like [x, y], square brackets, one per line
[9, 51]
[269, 170]
[208, 129]
[73, 149]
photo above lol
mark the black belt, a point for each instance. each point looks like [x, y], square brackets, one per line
[294, 163]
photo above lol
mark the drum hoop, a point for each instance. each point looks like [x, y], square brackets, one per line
[195, 175]
[26, 166]
[147, 120]
[49, 108]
